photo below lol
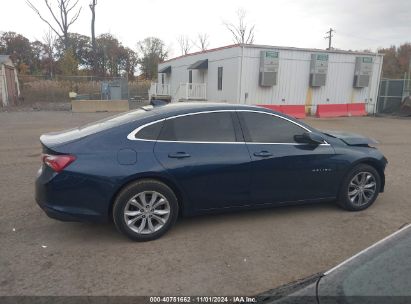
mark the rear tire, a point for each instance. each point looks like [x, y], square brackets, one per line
[360, 188]
[145, 210]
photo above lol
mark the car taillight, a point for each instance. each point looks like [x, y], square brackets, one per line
[58, 162]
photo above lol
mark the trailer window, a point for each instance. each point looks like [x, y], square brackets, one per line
[220, 79]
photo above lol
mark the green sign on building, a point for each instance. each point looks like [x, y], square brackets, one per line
[271, 54]
[322, 57]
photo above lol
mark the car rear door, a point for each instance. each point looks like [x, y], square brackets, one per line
[207, 157]
[283, 170]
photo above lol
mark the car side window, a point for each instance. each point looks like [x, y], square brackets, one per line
[265, 128]
[150, 132]
[204, 127]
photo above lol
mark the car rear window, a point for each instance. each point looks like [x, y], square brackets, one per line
[150, 132]
[116, 120]
[203, 127]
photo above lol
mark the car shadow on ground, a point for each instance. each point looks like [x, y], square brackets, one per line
[103, 232]
[257, 214]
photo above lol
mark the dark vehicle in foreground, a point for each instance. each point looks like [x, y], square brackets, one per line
[145, 167]
[379, 274]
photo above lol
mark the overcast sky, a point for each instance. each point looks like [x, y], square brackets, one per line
[359, 24]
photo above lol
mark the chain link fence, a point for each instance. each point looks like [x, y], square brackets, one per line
[393, 96]
[38, 89]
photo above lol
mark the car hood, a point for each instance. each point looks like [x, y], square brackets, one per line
[351, 139]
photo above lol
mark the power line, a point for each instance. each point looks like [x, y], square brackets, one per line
[329, 36]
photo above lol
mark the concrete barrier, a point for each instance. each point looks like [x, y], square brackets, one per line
[323, 110]
[99, 105]
[332, 110]
[271, 107]
[297, 111]
[356, 109]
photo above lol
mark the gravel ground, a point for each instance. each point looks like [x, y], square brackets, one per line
[230, 254]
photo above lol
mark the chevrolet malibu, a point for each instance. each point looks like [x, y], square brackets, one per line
[144, 168]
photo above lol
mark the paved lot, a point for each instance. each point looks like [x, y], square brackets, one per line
[231, 254]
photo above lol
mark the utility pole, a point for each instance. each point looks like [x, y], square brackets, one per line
[93, 35]
[329, 36]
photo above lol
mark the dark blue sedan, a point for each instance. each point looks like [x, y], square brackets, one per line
[144, 168]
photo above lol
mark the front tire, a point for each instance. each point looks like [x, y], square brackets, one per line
[145, 210]
[360, 188]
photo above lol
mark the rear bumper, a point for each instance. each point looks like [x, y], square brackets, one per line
[67, 214]
[66, 203]
[58, 215]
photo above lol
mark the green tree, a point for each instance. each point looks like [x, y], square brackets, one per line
[39, 57]
[404, 57]
[113, 59]
[396, 61]
[128, 62]
[68, 64]
[19, 49]
[151, 51]
[390, 67]
[80, 46]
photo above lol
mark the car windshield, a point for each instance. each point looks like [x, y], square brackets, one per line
[383, 270]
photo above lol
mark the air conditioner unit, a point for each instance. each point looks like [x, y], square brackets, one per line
[269, 63]
[318, 70]
[363, 71]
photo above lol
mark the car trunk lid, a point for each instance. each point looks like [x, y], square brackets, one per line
[54, 139]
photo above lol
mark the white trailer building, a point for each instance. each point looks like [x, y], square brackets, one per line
[9, 83]
[270, 75]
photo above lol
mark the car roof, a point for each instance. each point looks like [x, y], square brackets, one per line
[180, 108]
[187, 107]
[145, 114]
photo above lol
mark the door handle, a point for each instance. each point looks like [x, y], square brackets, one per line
[263, 154]
[179, 155]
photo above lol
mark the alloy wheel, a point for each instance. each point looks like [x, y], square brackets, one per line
[147, 212]
[362, 188]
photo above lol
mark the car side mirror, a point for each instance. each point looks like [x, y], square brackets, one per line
[310, 138]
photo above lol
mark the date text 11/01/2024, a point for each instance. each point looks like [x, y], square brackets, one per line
[203, 299]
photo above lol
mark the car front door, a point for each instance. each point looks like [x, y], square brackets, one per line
[282, 169]
[207, 157]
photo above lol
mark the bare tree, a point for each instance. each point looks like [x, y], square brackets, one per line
[92, 6]
[242, 32]
[185, 44]
[202, 41]
[60, 17]
[50, 40]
